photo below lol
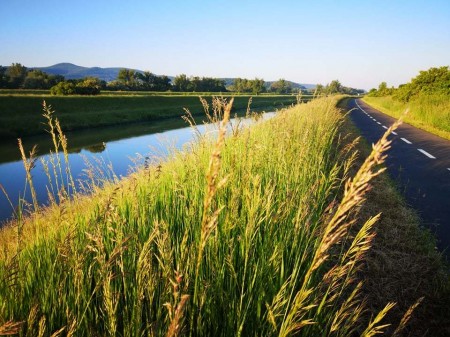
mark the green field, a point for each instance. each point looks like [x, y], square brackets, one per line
[20, 115]
[427, 112]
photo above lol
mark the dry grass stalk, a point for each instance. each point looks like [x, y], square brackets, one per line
[299, 97]
[8, 199]
[406, 317]
[188, 118]
[335, 231]
[209, 217]
[29, 164]
[59, 141]
[176, 322]
[212, 176]
[248, 113]
[58, 332]
[63, 140]
[373, 328]
[205, 106]
[48, 115]
[10, 328]
[355, 190]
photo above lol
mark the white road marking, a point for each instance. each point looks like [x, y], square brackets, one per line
[359, 107]
[378, 123]
[406, 140]
[394, 133]
[385, 127]
[426, 154]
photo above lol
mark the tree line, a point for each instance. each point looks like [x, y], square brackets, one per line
[18, 76]
[335, 87]
[434, 81]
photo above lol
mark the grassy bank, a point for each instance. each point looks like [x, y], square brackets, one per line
[242, 236]
[21, 114]
[427, 112]
[253, 235]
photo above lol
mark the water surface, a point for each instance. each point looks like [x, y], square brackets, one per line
[115, 151]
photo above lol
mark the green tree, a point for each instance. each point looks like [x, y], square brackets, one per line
[127, 77]
[162, 83]
[16, 75]
[182, 83]
[37, 79]
[431, 81]
[281, 86]
[320, 89]
[334, 87]
[88, 86]
[239, 85]
[258, 86]
[3, 77]
[147, 80]
[383, 89]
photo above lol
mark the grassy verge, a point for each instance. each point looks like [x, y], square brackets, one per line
[244, 236]
[427, 112]
[403, 265]
[21, 114]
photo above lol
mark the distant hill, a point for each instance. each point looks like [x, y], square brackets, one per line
[72, 71]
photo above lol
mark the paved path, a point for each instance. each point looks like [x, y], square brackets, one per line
[420, 164]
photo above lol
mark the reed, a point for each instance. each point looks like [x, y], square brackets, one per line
[250, 235]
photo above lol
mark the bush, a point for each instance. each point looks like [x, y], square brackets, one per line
[63, 88]
[88, 86]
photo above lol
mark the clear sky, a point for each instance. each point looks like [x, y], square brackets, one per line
[360, 43]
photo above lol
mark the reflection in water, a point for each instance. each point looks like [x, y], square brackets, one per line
[84, 139]
[119, 148]
[96, 148]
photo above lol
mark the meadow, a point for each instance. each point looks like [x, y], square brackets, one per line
[430, 112]
[255, 234]
[21, 112]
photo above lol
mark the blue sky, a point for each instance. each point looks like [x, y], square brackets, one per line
[360, 43]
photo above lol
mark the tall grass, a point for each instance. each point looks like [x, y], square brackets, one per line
[428, 112]
[249, 235]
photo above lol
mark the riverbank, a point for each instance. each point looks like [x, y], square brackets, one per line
[249, 233]
[22, 114]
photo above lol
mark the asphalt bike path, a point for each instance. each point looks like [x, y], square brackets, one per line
[419, 163]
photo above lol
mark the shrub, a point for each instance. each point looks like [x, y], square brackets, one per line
[88, 86]
[63, 88]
